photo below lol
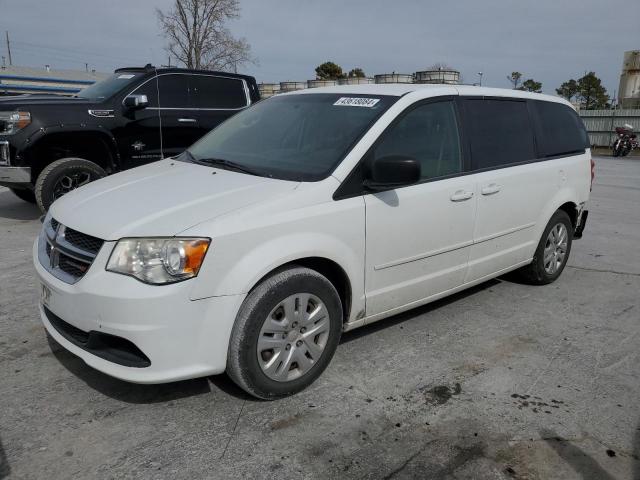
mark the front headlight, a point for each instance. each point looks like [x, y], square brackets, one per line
[158, 260]
[11, 122]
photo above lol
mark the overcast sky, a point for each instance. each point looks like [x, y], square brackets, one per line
[548, 40]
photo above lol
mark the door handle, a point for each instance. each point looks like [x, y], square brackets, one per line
[461, 196]
[187, 120]
[491, 189]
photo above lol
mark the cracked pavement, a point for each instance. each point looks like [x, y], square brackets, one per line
[502, 381]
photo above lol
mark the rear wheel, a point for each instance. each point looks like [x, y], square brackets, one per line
[552, 253]
[24, 194]
[62, 176]
[285, 334]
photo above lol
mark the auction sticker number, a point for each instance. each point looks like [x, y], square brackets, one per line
[357, 102]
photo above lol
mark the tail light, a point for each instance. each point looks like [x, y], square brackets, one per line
[593, 172]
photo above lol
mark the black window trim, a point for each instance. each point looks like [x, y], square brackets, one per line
[347, 190]
[245, 88]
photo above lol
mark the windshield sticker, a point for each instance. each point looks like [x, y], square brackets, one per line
[357, 102]
[126, 77]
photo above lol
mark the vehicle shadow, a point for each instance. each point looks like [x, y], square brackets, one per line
[125, 391]
[5, 469]
[583, 464]
[428, 308]
[13, 208]
[635, 454]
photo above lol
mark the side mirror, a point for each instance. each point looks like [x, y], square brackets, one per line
[136, 102]
[391, 172]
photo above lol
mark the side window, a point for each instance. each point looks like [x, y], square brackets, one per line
[150, 89]
[207, 91]
[429, 134]
[559, 129]
[174, 91]
[499, 132]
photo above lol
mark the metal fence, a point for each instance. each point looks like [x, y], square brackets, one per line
[601, 124]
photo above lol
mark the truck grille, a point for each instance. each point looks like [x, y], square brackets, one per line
[66, 253]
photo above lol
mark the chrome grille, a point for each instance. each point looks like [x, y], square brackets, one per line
[65, 252]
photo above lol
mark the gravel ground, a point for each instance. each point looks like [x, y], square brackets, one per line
[501, 381]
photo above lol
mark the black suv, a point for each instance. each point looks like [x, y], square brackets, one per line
[50, 145]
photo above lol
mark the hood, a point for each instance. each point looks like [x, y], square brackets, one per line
[161, 199]
[24, 101]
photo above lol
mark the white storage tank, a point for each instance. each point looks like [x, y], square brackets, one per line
[394, 78]
[449, 77]
[292, 86]
[355, 81]
[321, 83]
[268, 89]
[629, 90]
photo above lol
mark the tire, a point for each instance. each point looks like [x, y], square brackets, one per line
[24, 194]
[62, 176]
[536, 273]
[248, 361]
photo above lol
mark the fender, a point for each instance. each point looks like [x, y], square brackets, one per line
[43, 132]
[244, 273]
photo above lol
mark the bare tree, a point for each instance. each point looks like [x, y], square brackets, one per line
[197, 36]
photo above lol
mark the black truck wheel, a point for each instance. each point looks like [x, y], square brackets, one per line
[24, 194]
[62, 176]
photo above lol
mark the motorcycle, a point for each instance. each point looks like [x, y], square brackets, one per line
[625, 142]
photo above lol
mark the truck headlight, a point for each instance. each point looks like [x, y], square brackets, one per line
[11, 122]
[158, 261]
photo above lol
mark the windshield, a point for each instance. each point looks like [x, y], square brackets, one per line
[292, 137]
[109, 86]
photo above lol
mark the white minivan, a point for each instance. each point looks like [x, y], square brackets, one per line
[304, 216]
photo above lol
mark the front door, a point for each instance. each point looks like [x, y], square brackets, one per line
[418, 237]
[138, 133]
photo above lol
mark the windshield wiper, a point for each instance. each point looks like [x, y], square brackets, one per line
[221, 162]
[228, 165]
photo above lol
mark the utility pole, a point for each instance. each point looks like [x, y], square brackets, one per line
[8, 47]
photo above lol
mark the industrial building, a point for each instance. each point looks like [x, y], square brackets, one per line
[629, 89]
[20, 80]
[450, 77]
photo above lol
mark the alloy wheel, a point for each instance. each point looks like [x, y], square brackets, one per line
[555, 248]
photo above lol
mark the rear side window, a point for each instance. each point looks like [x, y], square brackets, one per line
[499, 132]
[174, 91]
[428, 134]
[216, 92]
[559, 129]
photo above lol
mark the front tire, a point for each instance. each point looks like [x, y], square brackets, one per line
[24, 194]
[552, 252]
[285, 334]
[62, 176]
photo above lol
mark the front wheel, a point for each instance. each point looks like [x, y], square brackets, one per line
[285, 334]
[62, 176]
[552, 252]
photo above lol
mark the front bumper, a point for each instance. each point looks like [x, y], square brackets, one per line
[181, 338]
[19, 177]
